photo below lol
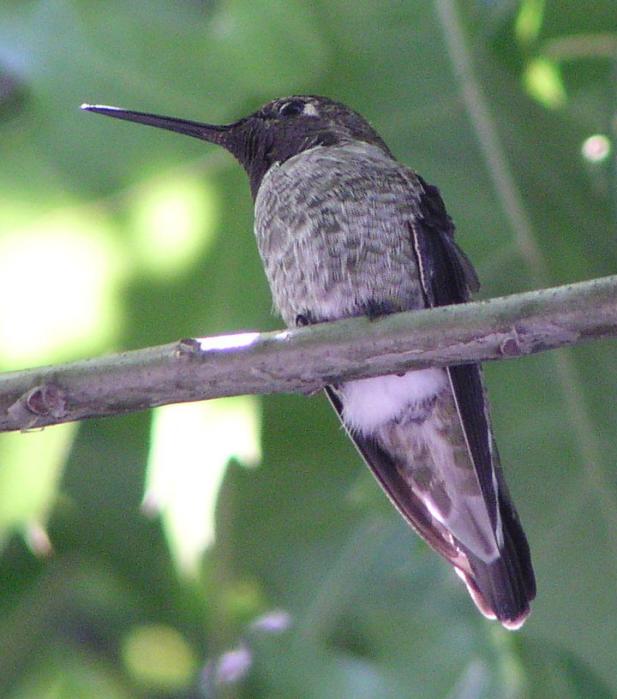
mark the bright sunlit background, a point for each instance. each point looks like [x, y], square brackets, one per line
[239, 548]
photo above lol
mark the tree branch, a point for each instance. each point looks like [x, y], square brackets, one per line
[306, 359]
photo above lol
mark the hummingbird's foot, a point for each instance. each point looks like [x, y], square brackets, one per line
[304, 319]
[374, 309]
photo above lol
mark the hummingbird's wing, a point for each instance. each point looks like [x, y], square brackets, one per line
[502, 586]
[448, 277]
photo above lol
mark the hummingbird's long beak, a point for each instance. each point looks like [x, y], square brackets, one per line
[206, 132]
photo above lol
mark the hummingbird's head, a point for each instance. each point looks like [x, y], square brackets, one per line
[279, 130]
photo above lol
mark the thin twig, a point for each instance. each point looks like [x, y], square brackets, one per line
[306, 359]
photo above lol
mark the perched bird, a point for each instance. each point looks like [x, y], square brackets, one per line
[344, 230]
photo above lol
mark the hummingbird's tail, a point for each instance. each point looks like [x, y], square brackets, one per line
[504, 588]
[501, 584]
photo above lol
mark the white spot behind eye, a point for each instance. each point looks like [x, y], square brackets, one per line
[310, 110]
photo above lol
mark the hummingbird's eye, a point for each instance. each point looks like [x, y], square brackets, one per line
[292, 108]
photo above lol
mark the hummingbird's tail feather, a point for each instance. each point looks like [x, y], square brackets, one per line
[503, 588]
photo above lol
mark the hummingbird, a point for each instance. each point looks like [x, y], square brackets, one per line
[344, 229]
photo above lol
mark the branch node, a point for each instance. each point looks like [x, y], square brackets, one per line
[516, 344]
[511, 347]
[45, 400]
[188, 347]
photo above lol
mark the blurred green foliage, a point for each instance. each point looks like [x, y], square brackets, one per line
[114, 236]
